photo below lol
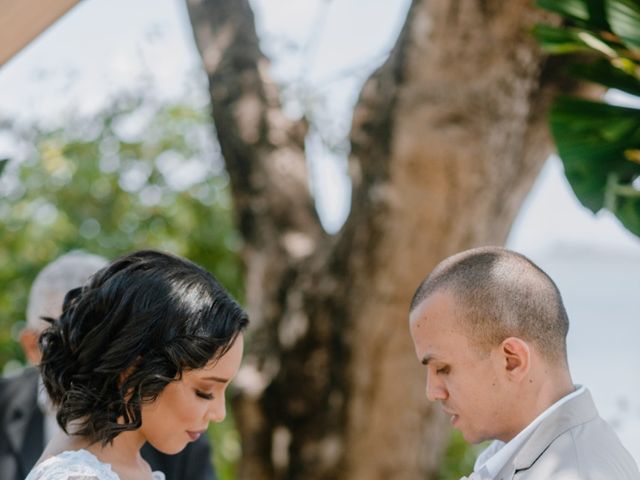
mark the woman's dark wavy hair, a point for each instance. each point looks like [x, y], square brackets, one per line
[133, 328]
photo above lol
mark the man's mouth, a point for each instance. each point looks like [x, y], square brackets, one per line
[453, 417]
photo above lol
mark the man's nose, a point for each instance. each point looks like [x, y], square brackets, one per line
[436, 389]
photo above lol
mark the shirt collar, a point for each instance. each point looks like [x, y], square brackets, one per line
[498, 453]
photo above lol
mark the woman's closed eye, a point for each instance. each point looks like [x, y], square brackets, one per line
[204, 395]
[442, 370]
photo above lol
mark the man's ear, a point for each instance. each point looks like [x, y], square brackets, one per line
[29, 343]
[516, 356]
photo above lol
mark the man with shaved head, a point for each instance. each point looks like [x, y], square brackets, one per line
[490, 327]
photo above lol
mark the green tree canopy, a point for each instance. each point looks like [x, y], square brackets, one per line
[136, 175]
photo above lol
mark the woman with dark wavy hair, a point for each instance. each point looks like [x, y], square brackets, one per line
[141, 353]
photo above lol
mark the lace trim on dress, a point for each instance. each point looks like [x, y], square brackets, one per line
[77, 465]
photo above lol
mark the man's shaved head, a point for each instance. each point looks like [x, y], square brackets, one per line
[499, 294]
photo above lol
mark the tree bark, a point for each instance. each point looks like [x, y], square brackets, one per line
[447, 139]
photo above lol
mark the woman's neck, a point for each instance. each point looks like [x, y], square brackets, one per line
[123, 450]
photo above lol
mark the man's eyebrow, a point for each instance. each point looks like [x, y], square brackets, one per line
[427, 358]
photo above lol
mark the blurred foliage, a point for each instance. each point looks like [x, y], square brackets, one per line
[225, 441]
[599, 143]
[136, 175]
[459, 457]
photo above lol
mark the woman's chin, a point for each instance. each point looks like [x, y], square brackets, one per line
[169, 448]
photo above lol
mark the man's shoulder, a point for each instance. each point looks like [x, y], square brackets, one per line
[589, 450]
[15, 383]
[573, 443]
[597, 446]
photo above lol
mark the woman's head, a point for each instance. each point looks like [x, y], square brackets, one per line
[142, 323]
[185, 407]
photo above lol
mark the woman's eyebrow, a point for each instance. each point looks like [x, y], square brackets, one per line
[216, 379]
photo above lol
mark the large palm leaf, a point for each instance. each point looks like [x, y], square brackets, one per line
[599, 143]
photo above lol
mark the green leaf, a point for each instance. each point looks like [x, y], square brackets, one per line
[559, 40]
[605, 73]
[562, 40]
[574, 9]
[583, 12]
[591, 139]
[627, 210]
[624, 17]
[624, 201]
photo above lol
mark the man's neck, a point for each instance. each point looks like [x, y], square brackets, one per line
[537, 396]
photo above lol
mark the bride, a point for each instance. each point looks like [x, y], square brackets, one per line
[142, 353]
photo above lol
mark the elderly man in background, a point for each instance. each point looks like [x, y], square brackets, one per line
[27, 420]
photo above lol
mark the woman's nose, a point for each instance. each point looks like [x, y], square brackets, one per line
[218, 410]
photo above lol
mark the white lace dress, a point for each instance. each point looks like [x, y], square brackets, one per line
[76, 465]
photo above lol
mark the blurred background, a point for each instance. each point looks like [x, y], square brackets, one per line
[105, 120]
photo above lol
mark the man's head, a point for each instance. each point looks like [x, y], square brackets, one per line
[48, 291]
[491, 328]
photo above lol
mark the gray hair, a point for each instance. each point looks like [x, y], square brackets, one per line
[53, 282]
[500, 293]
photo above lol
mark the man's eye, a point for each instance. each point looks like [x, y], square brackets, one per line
[442, 370]
[206, 396]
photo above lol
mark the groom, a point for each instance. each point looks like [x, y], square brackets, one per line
[490, 328]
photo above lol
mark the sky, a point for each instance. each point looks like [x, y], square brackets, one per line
[325, 49]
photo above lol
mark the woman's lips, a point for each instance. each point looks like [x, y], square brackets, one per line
[195, 435]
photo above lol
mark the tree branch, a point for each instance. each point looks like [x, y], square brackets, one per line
[263, 150]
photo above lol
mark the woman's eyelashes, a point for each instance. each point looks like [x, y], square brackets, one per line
[205, 395]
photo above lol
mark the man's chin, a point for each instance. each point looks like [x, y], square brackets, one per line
[471, 437]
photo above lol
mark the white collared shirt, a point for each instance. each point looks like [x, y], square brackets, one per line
[497, 454]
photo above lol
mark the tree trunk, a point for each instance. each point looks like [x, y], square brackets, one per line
[447, 138]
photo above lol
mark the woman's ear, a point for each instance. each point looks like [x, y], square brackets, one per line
[516, 356]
